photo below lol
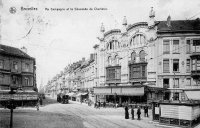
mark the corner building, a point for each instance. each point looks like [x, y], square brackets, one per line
[148, 61]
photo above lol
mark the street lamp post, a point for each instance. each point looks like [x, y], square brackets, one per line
[11, 106]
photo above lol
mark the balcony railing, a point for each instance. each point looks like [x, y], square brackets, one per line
[113, 80]
[195, 73]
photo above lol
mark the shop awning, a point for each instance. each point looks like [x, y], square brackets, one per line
[193, 95]
[83, 94]
[126, 90]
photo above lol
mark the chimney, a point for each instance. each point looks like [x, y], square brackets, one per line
[83, 59]
[169, 21]
[24, 49]
[124, 23]
[151, 22]
[91, 56]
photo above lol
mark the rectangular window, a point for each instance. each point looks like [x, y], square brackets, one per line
[1, 79]
[193, 64]
[166, 47]
[26, 67]
[188, 81]
[15, 66]
[165, 83]
[188, 46]
[26, 81]
[166, 65]
[175, 46]
[176, 83]
[196, 45]
[1, 64]
[188, 65]
[176, 65]
[15, 80]
[143, 71]
[113, 73]
[198, 64]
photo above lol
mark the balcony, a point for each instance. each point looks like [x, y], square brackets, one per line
[195, 74]
[110, 81]
[195, 55]
[131, 62]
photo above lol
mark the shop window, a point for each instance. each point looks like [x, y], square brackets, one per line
[166, 65]
[165, 83]
[188, 65]
[1, 64]
[166, 47]
[176, 65]
[175, 46]
[188, 46]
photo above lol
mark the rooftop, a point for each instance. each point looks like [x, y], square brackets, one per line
[12, 51]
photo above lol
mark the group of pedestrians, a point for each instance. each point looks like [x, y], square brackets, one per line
[98, 104]
[138, 112]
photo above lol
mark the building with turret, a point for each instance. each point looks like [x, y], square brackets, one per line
[145, 61]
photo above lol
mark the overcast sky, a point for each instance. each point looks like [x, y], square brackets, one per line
[58, 38]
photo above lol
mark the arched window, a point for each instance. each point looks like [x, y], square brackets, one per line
[113, 44]
[109, 60]
[142, 56]
[137, 39]
[116, 60]
[133, 56]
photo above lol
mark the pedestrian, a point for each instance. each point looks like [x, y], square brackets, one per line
[40, 99]
[99, 104]
[126, 112]
[37, 105]
[104, 104]
[138, 112]
[132, 112]
[146, 111]
[95, 104]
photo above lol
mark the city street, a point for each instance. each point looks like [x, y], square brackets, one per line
[73, 115]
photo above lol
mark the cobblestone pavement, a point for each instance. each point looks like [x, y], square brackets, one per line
[72, 115]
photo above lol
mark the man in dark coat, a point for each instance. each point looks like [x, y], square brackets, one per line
[138, 112]
[146, 111]
[132, 112]
[126, 112]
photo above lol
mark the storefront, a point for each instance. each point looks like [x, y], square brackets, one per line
[120, 94]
